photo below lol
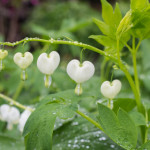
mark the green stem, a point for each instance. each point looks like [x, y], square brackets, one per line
[135, 65]
[89, 119]
[146, 128]
[13, 102]
[109, 103]
[130, 80]
[135, 72]
[52, 41]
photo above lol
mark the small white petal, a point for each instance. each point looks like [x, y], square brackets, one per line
[47, 64]
[4, 112]
[110, 90]
[14, 115]
[24, 117]
[80, 73]
[9, 114]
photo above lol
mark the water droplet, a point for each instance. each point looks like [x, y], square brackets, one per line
[75, 123]
[112, 146]
[47, 80]
[75, 42]
[82, 140]
[102, 138]
[26, 38]
[87, 147]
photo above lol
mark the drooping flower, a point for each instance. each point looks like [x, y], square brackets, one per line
[47, 64]
[9, 114]
[80, 73]
[110, 90]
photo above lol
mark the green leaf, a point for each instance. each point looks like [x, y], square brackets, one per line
[120, 128]
[9, 143]
[105, 41]
[145, 146]
[126, 104]
[81, 134]
[117, 15]
[139, 4]
[141, 23]
[107, 12]
[124, 27]
[102, 26]
[39, 127]
[138, 118]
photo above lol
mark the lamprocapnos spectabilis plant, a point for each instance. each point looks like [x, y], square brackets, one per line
[128, 131]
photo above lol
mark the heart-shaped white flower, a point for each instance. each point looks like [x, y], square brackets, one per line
[80, 72]
[9, 114]
[3, 54]
[110, 90]
[47, 64]
[23, 60]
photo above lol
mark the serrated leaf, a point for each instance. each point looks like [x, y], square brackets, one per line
[138, 118]
[124, 26]
[104, 28]
[119, 128]
[107, 12]
[117, 15]
[141, 23]
[139, 4]
[105, 41]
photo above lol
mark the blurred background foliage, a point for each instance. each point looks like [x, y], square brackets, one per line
[59, 19]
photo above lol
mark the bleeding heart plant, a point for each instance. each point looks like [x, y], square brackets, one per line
[127, 123]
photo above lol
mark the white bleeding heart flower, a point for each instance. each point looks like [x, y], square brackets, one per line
[9, 114]
[23, 60]
[110, 90]
[23, 118]
[47, 63]
[3, 54]
[80, 72]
